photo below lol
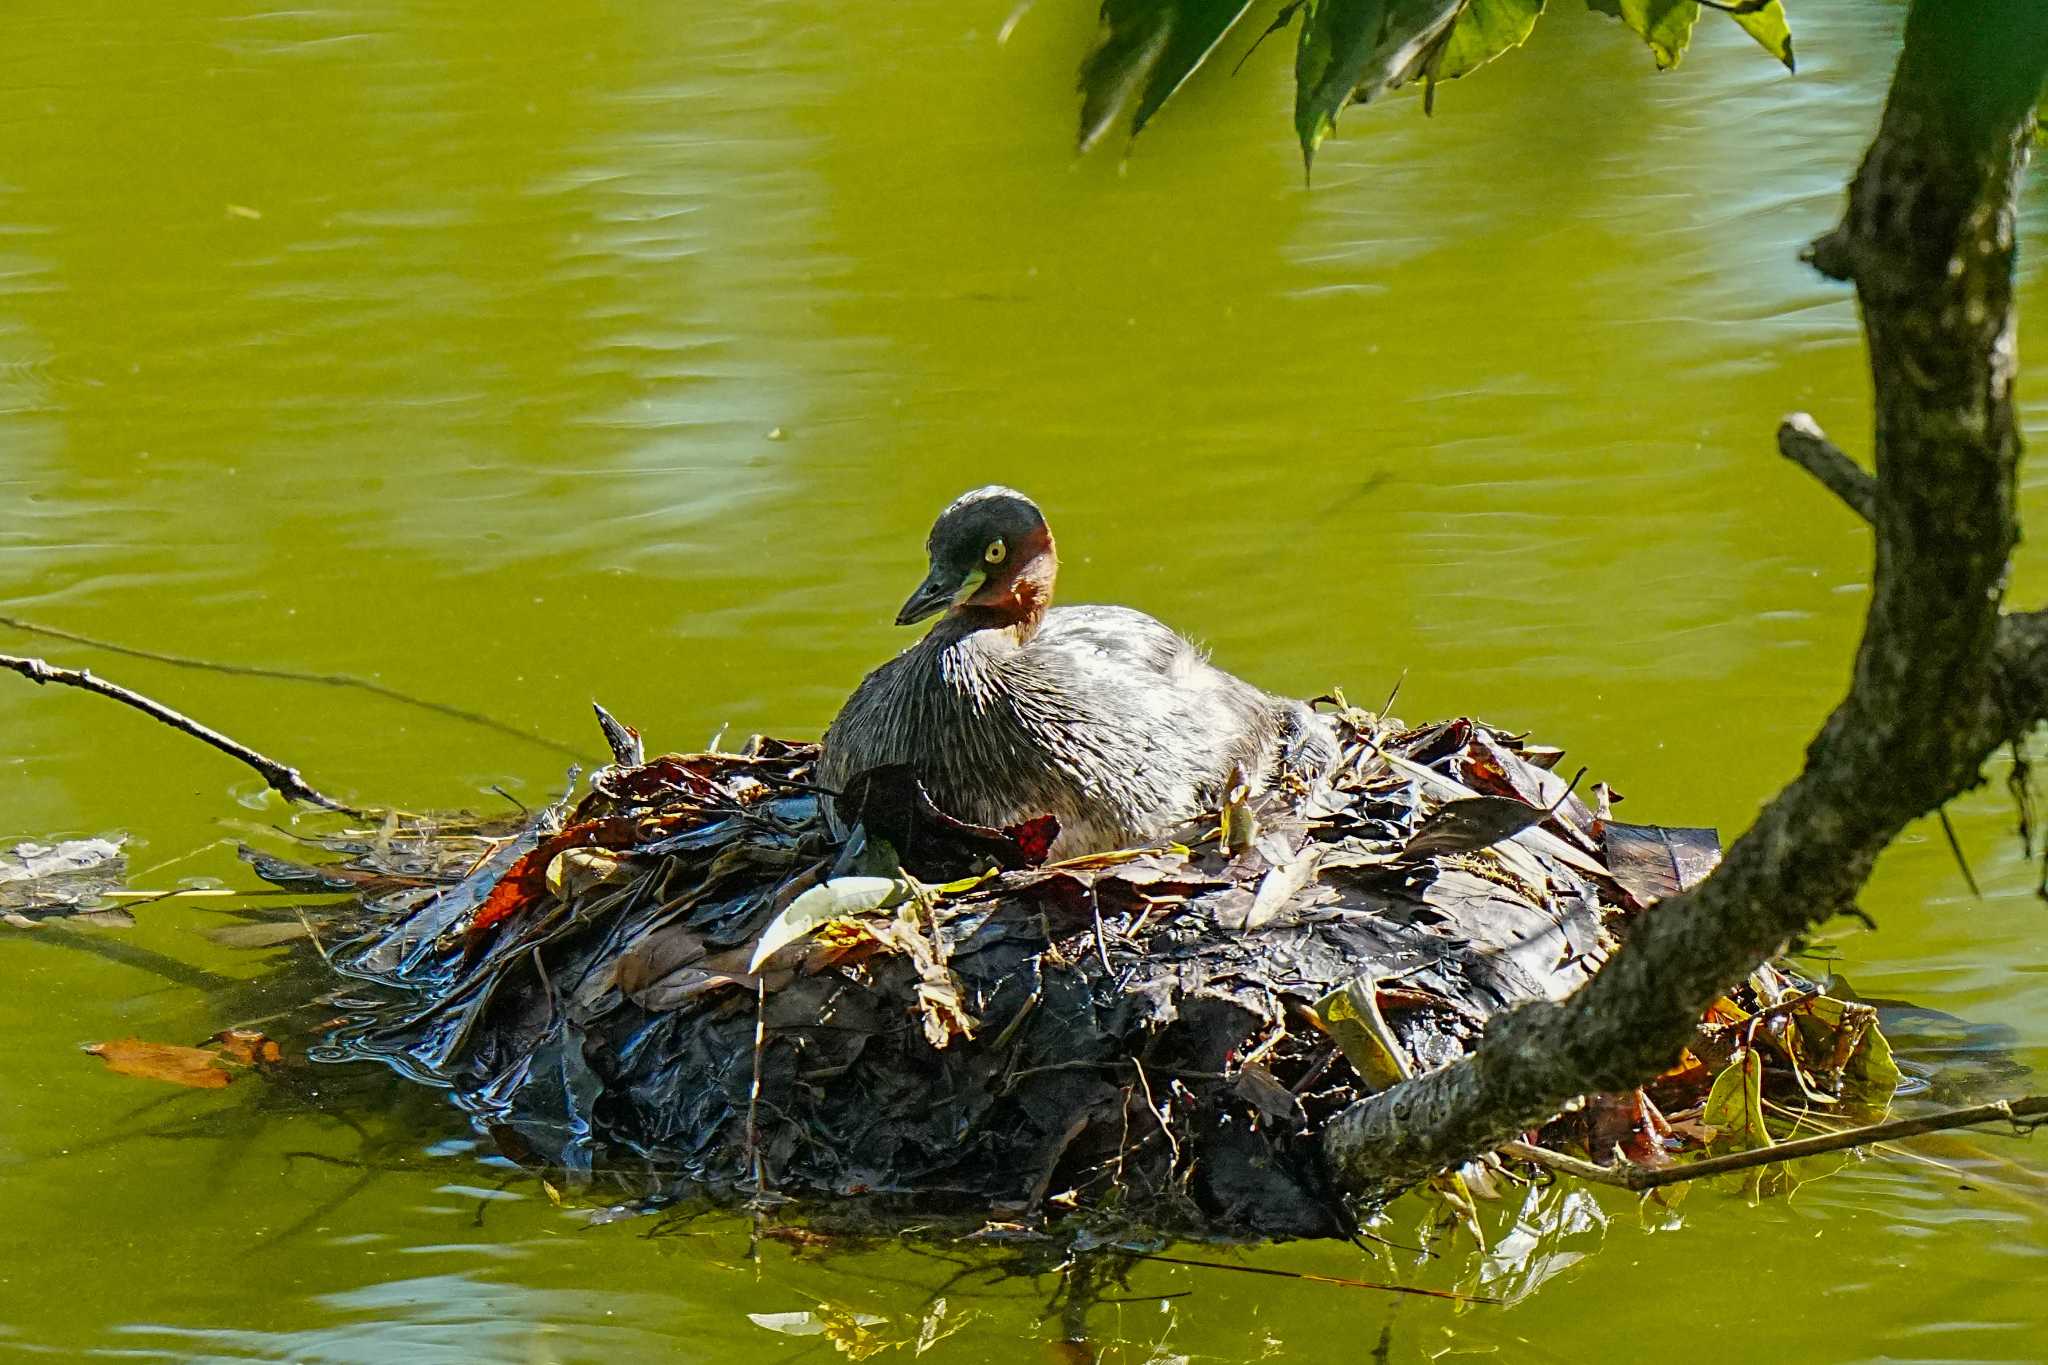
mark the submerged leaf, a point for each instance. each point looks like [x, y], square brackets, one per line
[261, 933]
[162, 1062]
[1147, 51]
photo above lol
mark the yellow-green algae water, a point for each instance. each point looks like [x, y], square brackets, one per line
[521, 354]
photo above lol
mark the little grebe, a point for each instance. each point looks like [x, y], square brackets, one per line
[1010, 708]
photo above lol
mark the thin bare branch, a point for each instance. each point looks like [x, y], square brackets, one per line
[281, 778]
[1627, 1176]
[1801, 441]
[344, 680]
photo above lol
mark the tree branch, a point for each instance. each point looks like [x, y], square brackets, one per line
[281, 778]
[1940, 678]
[1801, 441]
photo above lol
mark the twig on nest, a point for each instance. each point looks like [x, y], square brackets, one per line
[1631, 1177]
[281, 778]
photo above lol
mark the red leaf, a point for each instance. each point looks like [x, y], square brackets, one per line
[526, 880]
[1035, 837]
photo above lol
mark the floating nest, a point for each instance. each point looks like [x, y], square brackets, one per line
[681, 984]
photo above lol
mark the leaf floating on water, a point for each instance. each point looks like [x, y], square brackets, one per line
[799, 1324]
[306, 877]
[250, 1047]
[60, 878]
[1735, 1106]
[191, 1066]
[840, 898]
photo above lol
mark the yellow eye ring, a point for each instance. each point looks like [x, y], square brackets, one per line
[995, 553]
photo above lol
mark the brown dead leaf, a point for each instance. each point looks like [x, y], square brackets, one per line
[1653, 862]
[248, 1046]
[1257, 1086]
[654, 957]
[191, 1066]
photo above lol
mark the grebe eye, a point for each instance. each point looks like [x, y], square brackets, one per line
[996, 552]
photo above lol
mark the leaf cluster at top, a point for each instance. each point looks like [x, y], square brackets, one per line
[1350, 51]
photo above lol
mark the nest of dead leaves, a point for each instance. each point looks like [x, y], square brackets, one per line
[684, 985]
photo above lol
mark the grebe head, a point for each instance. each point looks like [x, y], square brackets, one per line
[992, 560]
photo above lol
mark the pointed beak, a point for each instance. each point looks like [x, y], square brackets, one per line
[941, 589]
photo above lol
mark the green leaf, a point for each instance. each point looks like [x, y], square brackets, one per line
[1484, 30]
[1873, 1065]
[1666, 25]
[1147, 51]
[1356, 49]
[1351, 1015]
[1771, 29]
[1735, 1106]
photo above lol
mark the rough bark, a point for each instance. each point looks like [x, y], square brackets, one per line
[1941, 678]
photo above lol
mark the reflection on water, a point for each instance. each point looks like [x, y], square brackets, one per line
[519, 356]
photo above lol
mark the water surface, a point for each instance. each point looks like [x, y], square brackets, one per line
[520, 355]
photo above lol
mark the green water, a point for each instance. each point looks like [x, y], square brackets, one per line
[517, 355]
